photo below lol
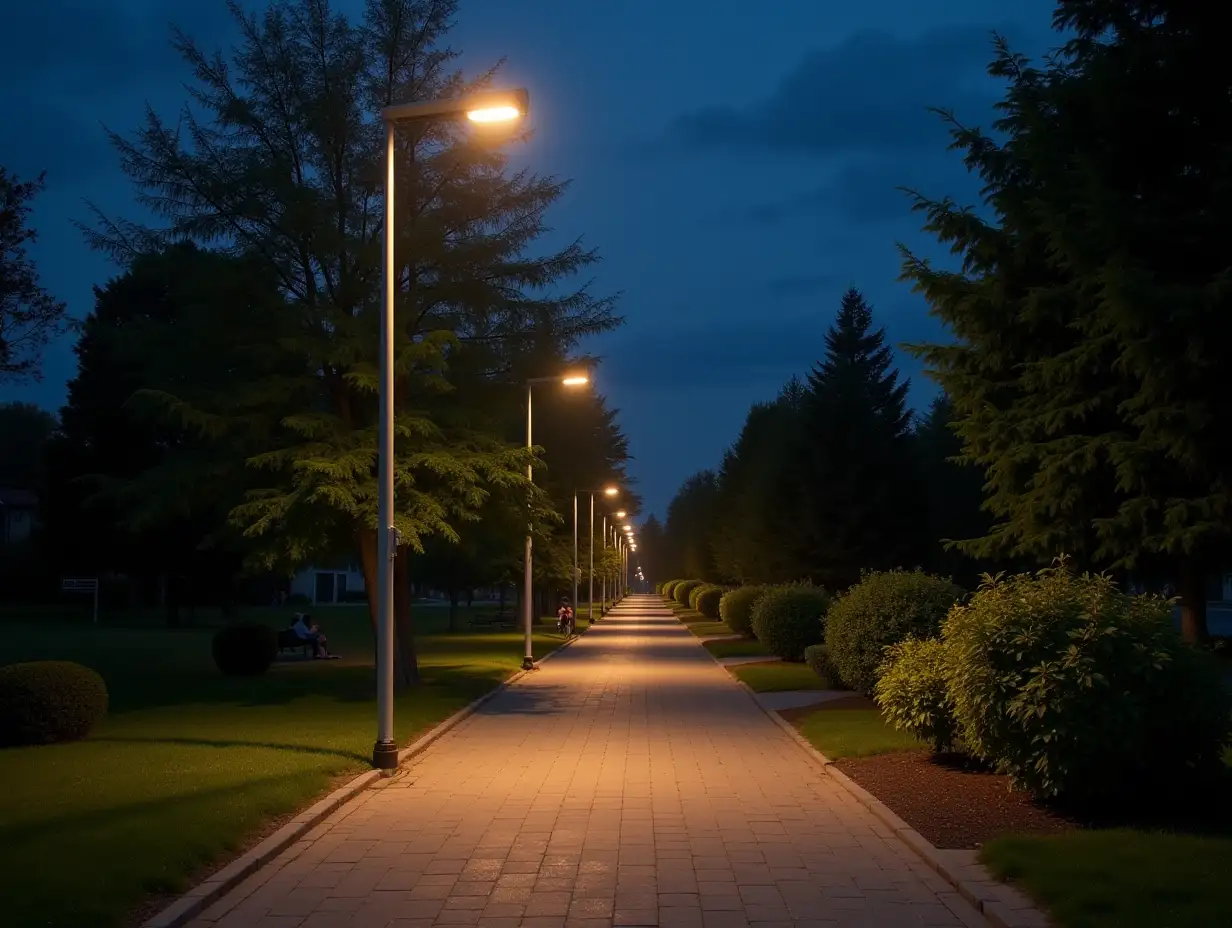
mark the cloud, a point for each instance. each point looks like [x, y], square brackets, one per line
[868, 190]
[872, 92]
[795, 285]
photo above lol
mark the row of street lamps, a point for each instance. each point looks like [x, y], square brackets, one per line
[490, 108]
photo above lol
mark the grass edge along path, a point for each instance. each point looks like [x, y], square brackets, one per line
[169, 790]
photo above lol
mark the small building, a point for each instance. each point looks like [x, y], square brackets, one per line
[325, 586]
[17, 511]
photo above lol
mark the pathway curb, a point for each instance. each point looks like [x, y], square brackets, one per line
[210, 890]
[1002, 905]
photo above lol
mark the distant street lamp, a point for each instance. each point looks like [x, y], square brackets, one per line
[528, 579]
[609, 491]
[489, 107]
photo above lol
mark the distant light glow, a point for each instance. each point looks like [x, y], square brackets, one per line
[494, 114]
[612, 491]
[577, 381]
[621, 514]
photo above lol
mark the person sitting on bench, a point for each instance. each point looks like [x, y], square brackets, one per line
[311, 634]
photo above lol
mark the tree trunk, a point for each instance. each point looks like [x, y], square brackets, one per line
[470, 598]
[406, 671]
[453, 609]
[1193, 602]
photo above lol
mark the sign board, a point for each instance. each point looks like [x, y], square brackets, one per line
[83, 585]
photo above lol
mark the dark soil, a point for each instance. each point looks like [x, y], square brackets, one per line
[959, 803]
[952, 801]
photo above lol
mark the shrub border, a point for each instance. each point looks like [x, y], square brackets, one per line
[1002, 905]
[218, 884]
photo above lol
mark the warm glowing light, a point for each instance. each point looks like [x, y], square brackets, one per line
[611, 491]
[576, 380]
[628, 528]
[621, 514]
[494, 114]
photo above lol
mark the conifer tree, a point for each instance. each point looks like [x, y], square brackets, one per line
[1090, 374]
[852, 480]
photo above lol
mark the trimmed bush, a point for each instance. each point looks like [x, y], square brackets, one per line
[708, 601]
[670, 585]
[246, 649]
[698, 591]
[682, 590]
[736, 609]
[787, 619]
[884, 608]
[817, 656]
[913, 691]
[44, 702]
[658, 588]
[1076, 689]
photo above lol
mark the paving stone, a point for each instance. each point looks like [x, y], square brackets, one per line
[630, 782]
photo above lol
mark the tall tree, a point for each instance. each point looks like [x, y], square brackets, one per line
[1091, 312]
[749, 541]
[281, 157]
[853, 481]
[30, 317]
[954, 491]
[650, 550]
[689, 531]
[24, 432]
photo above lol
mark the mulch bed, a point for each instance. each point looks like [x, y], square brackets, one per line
[953, 801]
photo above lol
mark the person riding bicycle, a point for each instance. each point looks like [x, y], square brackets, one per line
[564, 617]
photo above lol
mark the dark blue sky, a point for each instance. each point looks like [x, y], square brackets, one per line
[735, 164]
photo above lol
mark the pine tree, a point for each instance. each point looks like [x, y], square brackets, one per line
[650, 551]
[688, 535]
[282, 159]
[29, 316]
[1091, 313]
[852, 479]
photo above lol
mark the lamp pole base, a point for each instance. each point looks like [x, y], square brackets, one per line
[385, 756]
[528, 663]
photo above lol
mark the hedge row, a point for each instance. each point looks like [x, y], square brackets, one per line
[1068, 685]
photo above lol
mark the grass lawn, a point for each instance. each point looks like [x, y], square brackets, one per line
[1120, 878]
[778, 676]
[189, 764]
[706, 627]
[737, 647]
[852, 733]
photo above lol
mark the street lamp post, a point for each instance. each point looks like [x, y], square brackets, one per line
[528, 576]
[490, 107]
[590, 595]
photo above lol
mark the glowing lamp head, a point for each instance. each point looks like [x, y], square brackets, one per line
[611, 491]
[621, 514]
[575, 380]
[628, 528]
[494, 114]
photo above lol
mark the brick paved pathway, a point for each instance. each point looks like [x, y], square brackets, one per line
[629, 782]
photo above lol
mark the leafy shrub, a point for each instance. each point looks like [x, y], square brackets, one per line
[698, 591]
[246, 649]
[681, 591]
[668, 587]
[884, 608]
[787, 619]
[708, 601]
[44, 702]
[1074, 688]
[658, 588]
[817, 656]
[736, 608]
[912, 690]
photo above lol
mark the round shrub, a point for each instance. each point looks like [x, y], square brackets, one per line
[668, 587]
[43, 702]
[884, 608]
[1076, 689]
[681, 591]
[913, 691]
[817, 656]
[698, 591]
[246, 649]
[708, 601]
[736, 609]
[787, 619]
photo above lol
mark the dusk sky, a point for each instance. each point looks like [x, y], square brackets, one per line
[734, 163]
